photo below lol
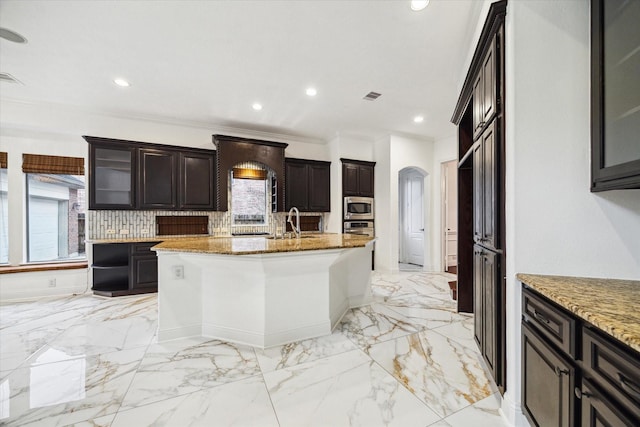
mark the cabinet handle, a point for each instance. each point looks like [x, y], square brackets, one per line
[629, 386]
[540, 316]
[560, 372]
[579, 393]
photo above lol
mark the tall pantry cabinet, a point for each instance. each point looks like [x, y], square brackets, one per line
[479, 115]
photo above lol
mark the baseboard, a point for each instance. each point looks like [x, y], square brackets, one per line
[266, 340]
[512, 412]
[182, 332]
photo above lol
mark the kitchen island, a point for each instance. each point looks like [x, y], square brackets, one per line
[260, 291]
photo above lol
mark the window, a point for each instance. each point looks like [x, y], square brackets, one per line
[55, 208]
[249, 193]
[4, 210]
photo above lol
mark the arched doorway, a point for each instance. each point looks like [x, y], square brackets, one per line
[411, 219]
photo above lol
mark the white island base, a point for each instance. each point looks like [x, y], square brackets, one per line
[262, 300]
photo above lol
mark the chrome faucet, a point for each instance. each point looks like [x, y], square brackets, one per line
[296, 228]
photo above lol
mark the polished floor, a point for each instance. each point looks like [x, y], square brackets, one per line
[406, 360]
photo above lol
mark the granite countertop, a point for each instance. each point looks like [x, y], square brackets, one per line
[611, 305]
[263, 245]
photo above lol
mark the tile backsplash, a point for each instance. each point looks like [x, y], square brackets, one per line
[109, 224]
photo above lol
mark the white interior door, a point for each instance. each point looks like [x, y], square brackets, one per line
[415, 220]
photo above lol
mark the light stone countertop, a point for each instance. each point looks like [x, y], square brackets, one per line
[611, 305]
[262, 245]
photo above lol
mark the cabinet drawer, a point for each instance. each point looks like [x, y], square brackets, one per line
[598, 410]
[615, 368]
[556, 325]
[143, 248]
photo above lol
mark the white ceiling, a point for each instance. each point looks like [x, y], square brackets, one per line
[209, 61]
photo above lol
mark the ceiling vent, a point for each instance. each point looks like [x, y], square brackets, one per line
[6, 77]
[372, 96]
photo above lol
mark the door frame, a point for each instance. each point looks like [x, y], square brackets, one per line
[403, 240]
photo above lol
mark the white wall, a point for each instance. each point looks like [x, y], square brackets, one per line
[392, 155]
[554, 224]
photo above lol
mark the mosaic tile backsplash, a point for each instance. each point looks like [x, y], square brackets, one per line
[103, 224]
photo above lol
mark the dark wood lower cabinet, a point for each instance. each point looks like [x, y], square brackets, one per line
[124, 269]
[547, 382]
[487, 306]
[572, 373]
[597, 410]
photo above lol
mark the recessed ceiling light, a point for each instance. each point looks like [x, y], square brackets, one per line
[12, 36]
[418, 119]
[311, 91]
[418, 5]
[257, 106]
[122, 82]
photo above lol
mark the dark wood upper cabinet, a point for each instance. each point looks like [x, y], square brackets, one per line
[112, 173]
[197, 181]
[615, 95]
[307, 185]
[357, 178]
[319, 187]
[484, 91]
[157, 179]
[137, 175]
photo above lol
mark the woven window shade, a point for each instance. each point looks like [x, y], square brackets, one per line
[3, 160]
[36, 163]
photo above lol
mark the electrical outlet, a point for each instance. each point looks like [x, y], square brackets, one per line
[177, 271]
[124, 231]
[111, 231]
[52, 283]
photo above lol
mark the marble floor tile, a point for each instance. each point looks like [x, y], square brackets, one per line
[484, 413]
[407, 359]
[284, 356]
[242, 403]
[369, 325]
[461, 332]
[97, 337]
[348, 389]
[444, 374]
[69, 390]
[187, 365]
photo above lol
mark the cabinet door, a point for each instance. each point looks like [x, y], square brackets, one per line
[296, 186]
[597, 410]
[157, 178]
[489, 182]
[548, 382]
[111, 177]
[365, 181]
[144, 271]
[489, 84]
[319, 188]
[350, 177]
[197, 181]
[478, 101]
[490, 309]
[478, 299]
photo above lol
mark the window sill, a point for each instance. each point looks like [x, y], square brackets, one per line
[42, 267]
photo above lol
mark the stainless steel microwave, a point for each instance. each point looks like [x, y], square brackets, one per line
[358, 208]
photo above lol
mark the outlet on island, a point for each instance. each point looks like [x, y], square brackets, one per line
[177, 271]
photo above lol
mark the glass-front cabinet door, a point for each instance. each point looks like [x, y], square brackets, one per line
[111, 180]
[615, 94]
